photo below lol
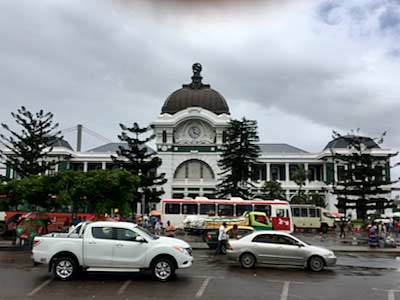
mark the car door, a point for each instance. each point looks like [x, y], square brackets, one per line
[263, 246]
[289, 251]
[98, 247]
[127, 252]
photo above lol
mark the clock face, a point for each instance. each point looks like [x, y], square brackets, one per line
[194, 132]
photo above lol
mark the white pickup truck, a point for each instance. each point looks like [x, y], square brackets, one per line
[111, 247]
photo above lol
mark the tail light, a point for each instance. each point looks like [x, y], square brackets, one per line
[35, 242]
[209, 237]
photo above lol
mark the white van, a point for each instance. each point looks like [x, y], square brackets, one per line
[312, 217]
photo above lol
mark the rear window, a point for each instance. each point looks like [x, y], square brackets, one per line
[263, 208]
[264, 238]
[105, 233]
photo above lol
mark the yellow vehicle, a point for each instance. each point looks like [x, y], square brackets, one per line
[212, 236]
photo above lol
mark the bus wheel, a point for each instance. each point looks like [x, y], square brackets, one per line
[324, 228]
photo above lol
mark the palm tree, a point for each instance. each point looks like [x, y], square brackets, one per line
[272, 189]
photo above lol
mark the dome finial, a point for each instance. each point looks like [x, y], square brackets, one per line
[196, 78]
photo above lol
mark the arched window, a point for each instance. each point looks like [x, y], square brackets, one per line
[194, 169]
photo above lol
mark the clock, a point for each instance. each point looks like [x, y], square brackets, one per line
[194, 132]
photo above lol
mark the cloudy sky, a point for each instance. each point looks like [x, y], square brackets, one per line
[300, 68]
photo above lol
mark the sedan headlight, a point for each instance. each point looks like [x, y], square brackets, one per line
[330, 254]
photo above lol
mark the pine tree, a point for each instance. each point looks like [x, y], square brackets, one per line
[239, 155]
[26, 152]
[140, 160]
[364, 180]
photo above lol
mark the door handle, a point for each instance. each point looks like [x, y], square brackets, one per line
[119, 245]
[92, 243]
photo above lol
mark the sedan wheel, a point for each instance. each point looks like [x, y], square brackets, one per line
[64, 268]
[316, 264]
[247, 260]
[163, 270]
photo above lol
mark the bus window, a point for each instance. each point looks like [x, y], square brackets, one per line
[318, 213]
[312, 212]
[172, 208]
[241, 208]
[303, 212]
[189, 209]
[296, 212]
[206, 209]
[225, 209]
[263, 208]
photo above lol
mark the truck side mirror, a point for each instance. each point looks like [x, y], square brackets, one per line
[140, 239]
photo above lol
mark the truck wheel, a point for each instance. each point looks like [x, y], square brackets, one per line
[163, 269]
[3, 229]
[64, 268]
[324, 228]
[247, 260]
[316, 263]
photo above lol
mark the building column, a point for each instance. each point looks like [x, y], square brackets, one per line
[268, 166]
[287, 177]
[103, 165]
[324, 172]
[85, 165]
[306, 168]
[335, 173]
[287, 195]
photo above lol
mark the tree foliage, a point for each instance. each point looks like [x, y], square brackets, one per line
[364, 180]
[272, 190]
[26, 150]
[239, 155]
[300, 176]
[94, 191]
[141, 161]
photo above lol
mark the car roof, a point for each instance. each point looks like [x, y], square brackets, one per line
[113, 224]
[258, 232]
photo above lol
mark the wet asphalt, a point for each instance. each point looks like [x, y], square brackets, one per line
[355, 277]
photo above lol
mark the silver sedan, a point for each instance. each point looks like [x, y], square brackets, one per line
[279, 248]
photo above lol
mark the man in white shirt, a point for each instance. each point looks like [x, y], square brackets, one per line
[221, 240]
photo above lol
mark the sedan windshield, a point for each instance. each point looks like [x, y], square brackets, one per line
[146, 233]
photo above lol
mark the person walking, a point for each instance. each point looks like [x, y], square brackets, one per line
[169, 230]
[157, 228]
[396, 228]
[342, 233]
[221, 240]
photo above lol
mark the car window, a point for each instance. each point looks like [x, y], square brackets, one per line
[243, 232]
[123, 234]
[102, 233]
[263, 238]
[284, 240]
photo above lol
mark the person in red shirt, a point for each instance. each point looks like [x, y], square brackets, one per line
[396, 228]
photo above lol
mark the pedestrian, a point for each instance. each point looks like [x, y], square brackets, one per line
[396, 228]
[157, 228]
[372, 240]
[342, 233]
[234, 232]
[221, 239]
[350, 227]
[169, 230]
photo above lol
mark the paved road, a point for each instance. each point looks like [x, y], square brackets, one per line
[355, 277]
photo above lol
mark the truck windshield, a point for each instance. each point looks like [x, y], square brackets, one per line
[147, 233]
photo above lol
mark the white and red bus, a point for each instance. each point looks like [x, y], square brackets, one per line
[176, 210]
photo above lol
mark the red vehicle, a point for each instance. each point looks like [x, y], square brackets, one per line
[58, 220]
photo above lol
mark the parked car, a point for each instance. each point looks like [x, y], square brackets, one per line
[212, 236]
[111, 247]
[278, 248]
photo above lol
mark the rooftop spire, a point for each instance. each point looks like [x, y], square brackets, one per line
[196, 78]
